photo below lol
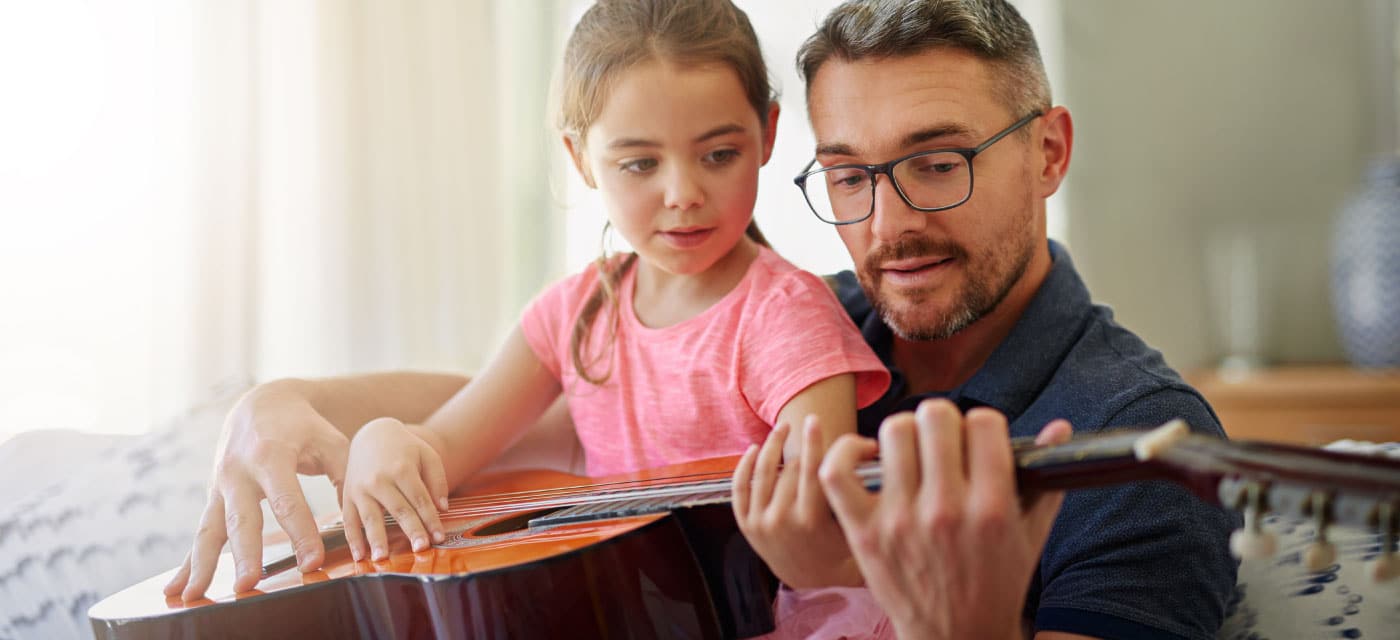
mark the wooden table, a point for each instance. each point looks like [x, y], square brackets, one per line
[1310, 405]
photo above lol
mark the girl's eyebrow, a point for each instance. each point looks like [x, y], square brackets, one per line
[722, 130]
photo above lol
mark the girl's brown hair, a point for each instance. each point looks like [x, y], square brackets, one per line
[615, 35]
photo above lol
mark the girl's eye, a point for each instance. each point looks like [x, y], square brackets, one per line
[721, 156]
[641, 165]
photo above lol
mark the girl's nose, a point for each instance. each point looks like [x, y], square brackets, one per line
[683, 190]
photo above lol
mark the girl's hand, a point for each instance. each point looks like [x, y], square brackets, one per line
[391, 470]
[785, 516]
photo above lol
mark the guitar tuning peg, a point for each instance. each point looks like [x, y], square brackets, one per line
[1321, 553]
[1385, 567]
[1252, 542]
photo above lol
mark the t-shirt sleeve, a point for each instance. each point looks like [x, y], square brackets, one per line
[546, 320]
[797, 336]
[1139, 560]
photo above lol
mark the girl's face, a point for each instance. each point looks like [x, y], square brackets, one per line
[675, 154]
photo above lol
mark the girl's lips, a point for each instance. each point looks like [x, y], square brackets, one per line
[686, 238]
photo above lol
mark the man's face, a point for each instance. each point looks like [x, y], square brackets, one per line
[930, 275]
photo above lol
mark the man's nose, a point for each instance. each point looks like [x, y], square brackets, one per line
[893, 217]
[683, 190]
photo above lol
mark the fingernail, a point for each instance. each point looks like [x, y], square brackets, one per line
[438, 537]
[377, 553]
[355, 553]
[442, 504]
[419, 544]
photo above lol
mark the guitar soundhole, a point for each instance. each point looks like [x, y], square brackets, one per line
[517, 522]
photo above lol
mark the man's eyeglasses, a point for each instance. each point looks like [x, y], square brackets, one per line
[927, 181]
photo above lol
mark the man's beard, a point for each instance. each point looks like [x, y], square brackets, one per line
[989, 279]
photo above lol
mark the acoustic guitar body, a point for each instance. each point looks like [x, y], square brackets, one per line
[686, 573]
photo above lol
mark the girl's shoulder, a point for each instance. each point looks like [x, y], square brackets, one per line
[775, 278]
[569, 292]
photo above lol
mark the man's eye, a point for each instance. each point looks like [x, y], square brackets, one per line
[846, 178]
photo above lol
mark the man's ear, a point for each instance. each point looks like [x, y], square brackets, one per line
[770, 132]
[575, 149]
[1055, 143]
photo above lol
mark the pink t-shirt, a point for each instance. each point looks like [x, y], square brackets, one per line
[707, 386]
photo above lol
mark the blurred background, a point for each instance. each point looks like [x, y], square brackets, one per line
[197, 194]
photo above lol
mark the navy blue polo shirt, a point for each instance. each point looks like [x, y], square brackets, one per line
[1135, 561]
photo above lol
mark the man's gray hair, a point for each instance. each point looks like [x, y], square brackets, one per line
[992, 30]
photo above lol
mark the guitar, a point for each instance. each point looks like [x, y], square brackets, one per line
[657, 553]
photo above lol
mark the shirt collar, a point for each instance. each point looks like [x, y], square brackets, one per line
[1022, 365]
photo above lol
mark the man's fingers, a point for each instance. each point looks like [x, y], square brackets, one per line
[244, 523]
[899, 460]
[178, 581]
[743, 475]
[941, 453]
[1042, 507]
[991, 470]
[848, 496]
[293, 514]
[1057, 432]
[204, 555]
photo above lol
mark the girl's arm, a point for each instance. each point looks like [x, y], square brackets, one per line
[782, 511]
[485, 417]
[832, 401]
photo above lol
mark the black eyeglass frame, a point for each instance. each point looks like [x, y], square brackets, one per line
[874, 170]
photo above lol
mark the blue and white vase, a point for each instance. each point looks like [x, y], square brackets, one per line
[1366, 269]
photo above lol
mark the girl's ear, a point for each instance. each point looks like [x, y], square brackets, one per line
[575, 149]
[770, 132]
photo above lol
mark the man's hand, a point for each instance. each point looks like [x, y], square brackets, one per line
[947, 546]
[784, 514]
[271, 435]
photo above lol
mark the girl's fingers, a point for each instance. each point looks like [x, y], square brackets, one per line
[809, 490]
[426, 493]
[354, 530]
[766, 470]
[425, 514]
[372, 519]
[395, 503]
[743, 475]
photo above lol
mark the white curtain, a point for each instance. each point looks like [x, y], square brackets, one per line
[249, 190]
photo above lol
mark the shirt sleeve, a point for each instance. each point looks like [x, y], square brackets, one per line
[797, 336]
[1139, 560]
[545, 321]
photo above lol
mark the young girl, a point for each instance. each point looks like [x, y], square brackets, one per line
[692, 347]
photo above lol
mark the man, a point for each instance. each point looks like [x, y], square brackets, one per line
[958, 290]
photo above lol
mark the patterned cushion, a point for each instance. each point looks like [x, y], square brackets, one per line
[1279, 598]
[117, 510]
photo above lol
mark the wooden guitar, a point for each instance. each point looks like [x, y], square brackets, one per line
[657, 553]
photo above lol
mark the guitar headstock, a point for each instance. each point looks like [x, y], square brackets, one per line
[1327, 487]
